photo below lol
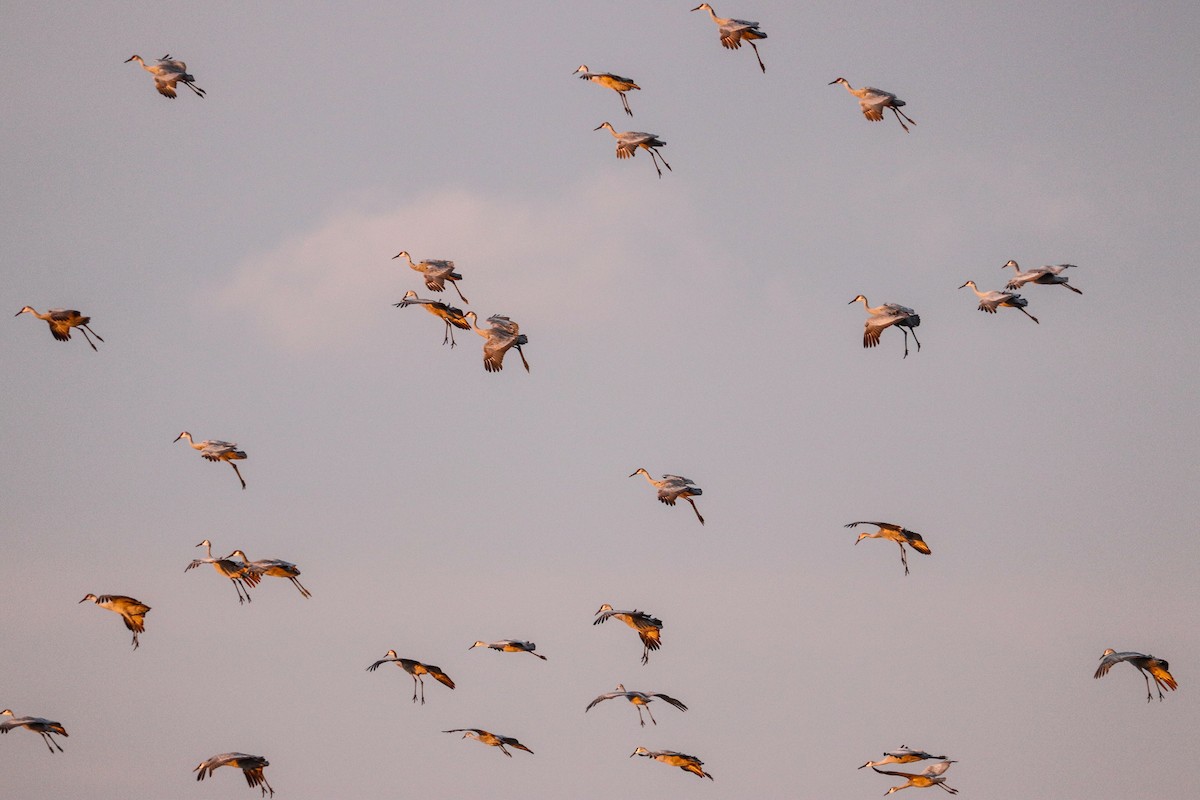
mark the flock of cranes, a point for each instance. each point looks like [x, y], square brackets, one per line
[502, 335]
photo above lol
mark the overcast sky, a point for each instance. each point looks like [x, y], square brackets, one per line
[235, 254]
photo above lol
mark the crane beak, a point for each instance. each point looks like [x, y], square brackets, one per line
[964, 284]
[177, 438]
[131, 58]
[83, 599]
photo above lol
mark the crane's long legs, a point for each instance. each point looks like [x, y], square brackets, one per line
[1031, 316]
[239, 473]
[50, 741]
[654, 159]
[199, 92]
[414, 697]
[460, 294]
[82, 329]
[915, 339]
[900, 114]
[947, 788]
[300, 586]
[1072, 288]
[240, 587]
[693, 505]
[904, 559]
[652, 719]
[761, 65]
[449, 334]
[645, 655]
[905, 341]
[625, 103]
[135, 641]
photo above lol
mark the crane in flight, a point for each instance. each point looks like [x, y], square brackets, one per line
[615, 82]
[675, 759]
[674, 487]
[990, 301]
[639, 700]
[489, 738]
[649, 629]
[502, 336]
[46, 728]
[905, 755]
[628, 143]
[217, 450]
[275, 567]
[733, 32]
[873, 101]
[510, 646]
[1149, 666]
[436, 272]
[251, 766]
[168, 72]
[896, 533]
[415, 669]
[61, 320]
[451, 316]
[238, 573]
[1047, 276]
[930, 776]
[885, 316]
[133, 612]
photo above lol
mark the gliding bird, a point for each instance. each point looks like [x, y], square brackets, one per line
[675, 759]
[615, 82]
[216, 450]
[167, 73]
[990, 301]
[649, 629]
[510, 646]
[885, 316]
[1149, 666]
[275, 567]
[61, 320]
[639, 700]
[735, 31]
[1047, 276]
[904, 755]
[453, 317]
[489, 738]
[896, 533]
[872, 101]
[417, 670]
[628, 143]
[133, 612]
[502, 336]
[238, 573]
[251, 767]
[930, 776]
[46, 728]
[674, 487]
[436, 272]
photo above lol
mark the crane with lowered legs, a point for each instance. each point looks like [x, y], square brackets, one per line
[436, 272]
[489, 738]
[275, 567]
[628, 143]
[1047, 276]
[733, 32]
[675, 759]
[510, 646]
[251, 766]
[649, 629]
[615, 82]
[168, 72]
[61, 320]
[217, 450]
[896, 533]
[503, 335]
[1149, 666]
[133, 612]
[416, 670]
[873, 101]
[885, 316]
[672, 488]
[905, 755]
[930, 776]
[639, 700]
[451, 316]
[46, 728]
[237, 572]
[990, 301]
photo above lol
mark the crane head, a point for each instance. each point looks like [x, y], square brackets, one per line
[182, 435]
[839, 80]
[134, 58]
[606, 606]
[23, 310]
[402, 253]
[88, 596]
[697, 8]
[969, 283]
[640, 471]
[478, 644]
[205, 543]
[641, 751]
[582, 68]
[1012, 264]
[856, 299]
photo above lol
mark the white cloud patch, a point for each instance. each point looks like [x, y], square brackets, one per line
[547, 257]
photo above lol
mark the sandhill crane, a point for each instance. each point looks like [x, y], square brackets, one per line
[896, 533]
[674, 487]
[873, 101]
[675, 759]
[133, 612]
[216, 450]
[453, 317]
[503, 335]
[275, 567]
[887, 315]
[930, 776]
[735, 31]
[649, 629]
[167, 73]
[489, 738]
[417, 670]
[61, 320]
[628, 143]
[615, 82]
[1047, 276]
[251, 766]
[510, 646]
[237, 572]
[46, 728]
[904, 755]
[990, 301]
[1149, 666]
[436, 272]
[639, 700]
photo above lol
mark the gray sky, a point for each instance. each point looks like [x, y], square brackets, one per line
[234, 252]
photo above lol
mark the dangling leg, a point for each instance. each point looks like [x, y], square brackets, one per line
[695, 509]
[135, 641]
[756, 55]
[460, 294]
[1031, 316]
[199, 92]
[897, 113]
[652, 719]
[625, 103]
[300, 586]
[906, 116]
[654, 159]
[905, 342]
[915, 339]
[904, 559]
[239, 474]
[660, 155]
[89, 339]
[645, 655]
[1072, 288]
[521, 353]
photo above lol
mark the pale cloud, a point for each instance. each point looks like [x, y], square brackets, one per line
[545, 257]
